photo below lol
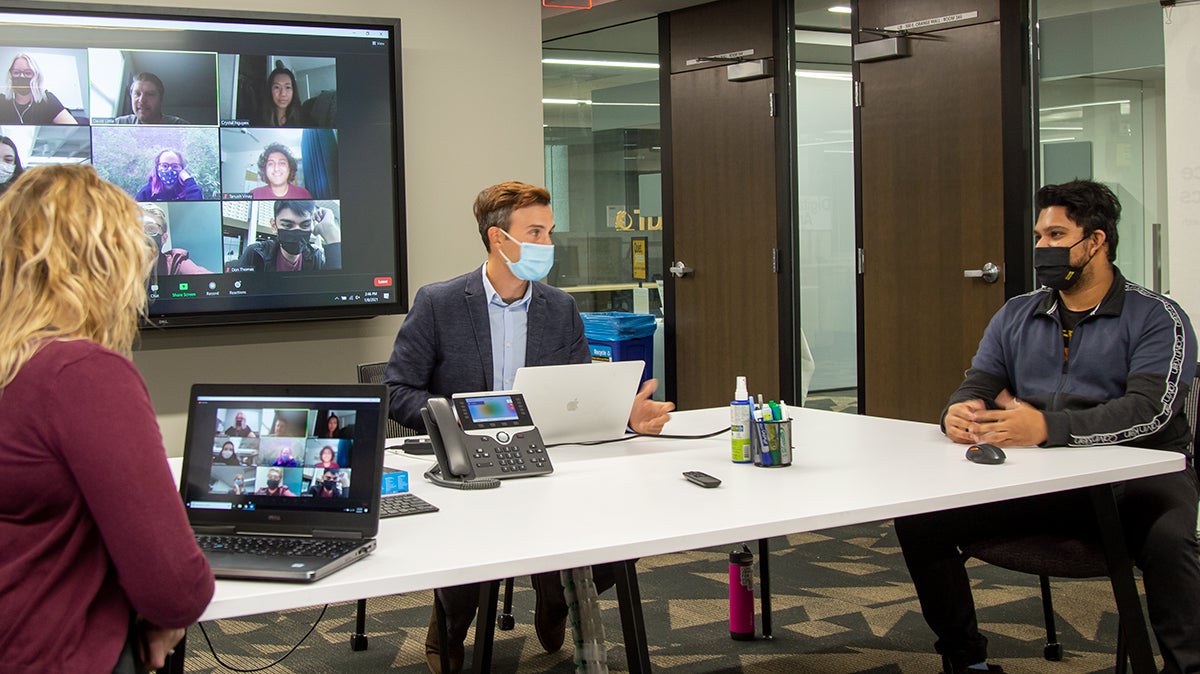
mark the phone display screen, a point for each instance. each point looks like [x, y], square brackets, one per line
[492, 410]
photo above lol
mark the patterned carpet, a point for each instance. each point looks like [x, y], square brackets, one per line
[842, 603]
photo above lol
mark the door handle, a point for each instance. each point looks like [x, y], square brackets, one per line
[679, 270]
[990, 273]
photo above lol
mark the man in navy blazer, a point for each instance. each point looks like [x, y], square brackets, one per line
[471, 333]
[445, 344]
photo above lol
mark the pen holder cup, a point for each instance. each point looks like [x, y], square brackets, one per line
[771, 443]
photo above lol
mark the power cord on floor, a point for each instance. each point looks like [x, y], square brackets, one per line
[259, 669]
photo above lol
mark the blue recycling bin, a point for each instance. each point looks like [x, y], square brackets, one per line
[620, 336]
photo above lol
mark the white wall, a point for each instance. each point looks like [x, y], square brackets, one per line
[1183, 154]
[472, 85]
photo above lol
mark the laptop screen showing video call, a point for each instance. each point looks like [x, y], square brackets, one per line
[278, 453]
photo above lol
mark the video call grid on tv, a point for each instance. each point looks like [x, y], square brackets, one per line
[282, 452]
[214, 141]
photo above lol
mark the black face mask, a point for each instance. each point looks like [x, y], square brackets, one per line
[21, 84]
[1052, 266]
[293, 240]
[272, 484]
[330, 485]
[157, 240]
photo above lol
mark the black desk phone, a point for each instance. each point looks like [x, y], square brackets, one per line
[493, 439]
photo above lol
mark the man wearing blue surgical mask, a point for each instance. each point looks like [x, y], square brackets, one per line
[1088, 359]
[471, 333]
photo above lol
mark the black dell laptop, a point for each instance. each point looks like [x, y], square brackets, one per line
[282, 482]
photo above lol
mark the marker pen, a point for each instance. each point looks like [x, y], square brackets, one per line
[785, 436]
[764, 439]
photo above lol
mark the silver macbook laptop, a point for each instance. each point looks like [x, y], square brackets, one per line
[586, 402]
[282, 482]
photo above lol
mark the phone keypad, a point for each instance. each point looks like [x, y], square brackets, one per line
[516, 458]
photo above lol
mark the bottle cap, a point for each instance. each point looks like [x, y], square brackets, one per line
[741, 393]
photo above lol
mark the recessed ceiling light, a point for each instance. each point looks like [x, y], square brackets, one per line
[840, 9]
[599, 64]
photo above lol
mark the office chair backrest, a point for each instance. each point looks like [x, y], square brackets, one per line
[1192, 409]
[372, 373]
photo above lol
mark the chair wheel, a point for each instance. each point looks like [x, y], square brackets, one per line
[505, 621]
[1052, 652]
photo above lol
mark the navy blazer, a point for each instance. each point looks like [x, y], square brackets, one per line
[445, 343]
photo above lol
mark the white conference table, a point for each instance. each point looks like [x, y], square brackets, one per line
[625, 500]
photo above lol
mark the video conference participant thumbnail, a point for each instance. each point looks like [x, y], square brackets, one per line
[231, 480]
[325, 453]
[10, 163]
[239, 423]
[276, 91]
[287, 423]
[235, 451]
[28, 146]
[159, 163]
[335, 424]
[275, 481]
[27, 97]
[153, 87]
[195, 227]
[304, 236]
[279, 163]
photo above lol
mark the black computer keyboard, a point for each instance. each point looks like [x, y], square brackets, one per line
[277, 546]
[404, 503]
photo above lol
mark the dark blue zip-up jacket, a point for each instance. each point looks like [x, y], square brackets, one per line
[1131, 363]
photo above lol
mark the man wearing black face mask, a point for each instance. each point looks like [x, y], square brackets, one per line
[294, 224]
[1088, 359]
[327, 486]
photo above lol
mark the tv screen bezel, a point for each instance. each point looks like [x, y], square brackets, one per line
[256, 316]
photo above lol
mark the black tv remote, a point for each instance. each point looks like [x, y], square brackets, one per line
[703, 479]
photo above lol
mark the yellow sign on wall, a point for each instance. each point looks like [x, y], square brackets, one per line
[638, 250]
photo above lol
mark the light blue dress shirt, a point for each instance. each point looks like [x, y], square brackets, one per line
[509, 323]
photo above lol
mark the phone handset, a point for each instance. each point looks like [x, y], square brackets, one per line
[453, 468]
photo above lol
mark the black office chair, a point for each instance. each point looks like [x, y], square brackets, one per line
[372, 373]
[1046, 555]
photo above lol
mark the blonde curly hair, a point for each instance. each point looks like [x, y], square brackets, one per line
[73, 264]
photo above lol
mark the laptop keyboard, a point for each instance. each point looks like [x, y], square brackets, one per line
[277, 546]
[404, 503]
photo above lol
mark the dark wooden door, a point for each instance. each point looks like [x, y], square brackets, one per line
[724, 316]
[940, 171]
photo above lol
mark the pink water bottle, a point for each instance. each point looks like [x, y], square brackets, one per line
[741, 594]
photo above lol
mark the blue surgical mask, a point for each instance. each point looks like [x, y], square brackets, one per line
[536, 260]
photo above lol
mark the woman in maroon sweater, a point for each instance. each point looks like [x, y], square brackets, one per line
[94, 536]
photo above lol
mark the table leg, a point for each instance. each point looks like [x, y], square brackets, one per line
[1120, 573]
[358, 640]
[485, 627]
[764, 570]
[633, 623]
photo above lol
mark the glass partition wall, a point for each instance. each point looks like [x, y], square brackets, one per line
[1101, 115]
[602, 144]
[826, 259]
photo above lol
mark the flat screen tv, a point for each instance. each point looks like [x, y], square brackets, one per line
[265, 149]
